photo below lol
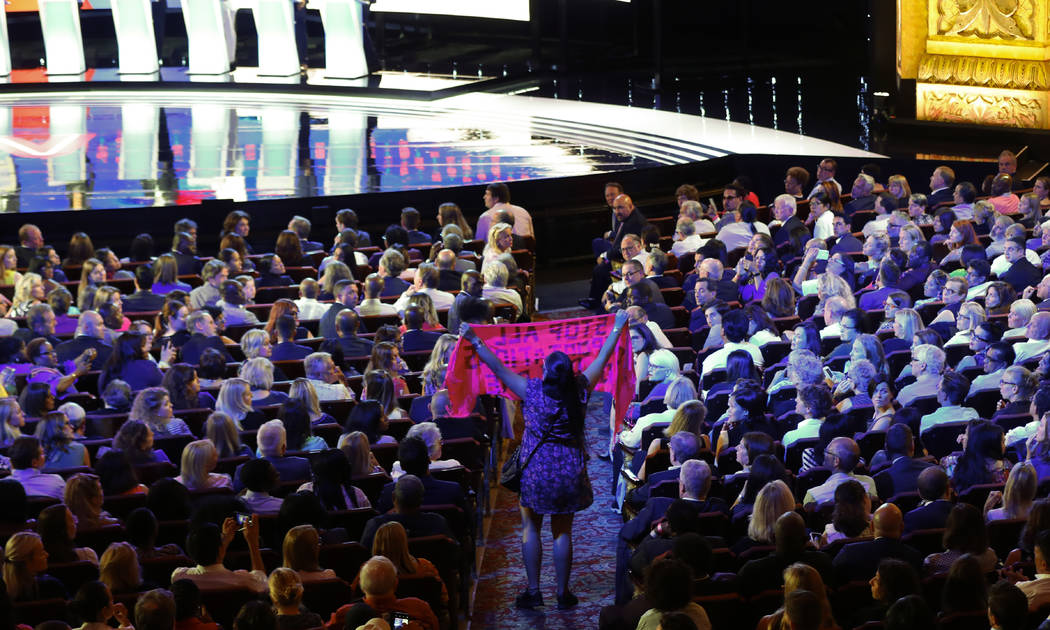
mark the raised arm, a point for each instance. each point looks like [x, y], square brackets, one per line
[594, 370]
[512, 380]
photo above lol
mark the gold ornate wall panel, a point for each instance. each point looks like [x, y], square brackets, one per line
[982, 62]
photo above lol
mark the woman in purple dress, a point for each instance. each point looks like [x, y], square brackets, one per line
[555, 481]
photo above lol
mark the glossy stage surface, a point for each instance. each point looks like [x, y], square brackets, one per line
[65, 148]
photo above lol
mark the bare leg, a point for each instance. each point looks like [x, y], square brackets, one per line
[532, 546]
[561, 529]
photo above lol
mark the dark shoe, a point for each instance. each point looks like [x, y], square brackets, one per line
[568, 600]
[529, 600]
[588, 303]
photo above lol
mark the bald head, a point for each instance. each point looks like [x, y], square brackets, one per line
[90, 324]
[623, 206]
[712, 268]
[439, 404]
[842, 455]
[378, 577]
[888, 521]
[446, 259]
[1039, 326]
[790, 533]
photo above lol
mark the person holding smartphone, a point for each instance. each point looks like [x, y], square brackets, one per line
[207, 545]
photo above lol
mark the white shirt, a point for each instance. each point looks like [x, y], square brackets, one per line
[717, 359]
[1000, 265]
[38, 484]
[331, 391]
[826, 491]
[633, 437]
[522, 221]
[963, 211]
[824, 226]
[502, 294]
[1021, 433]
[688, 245]
[1016, 333]
[819, 187]
[218, 576]
[986, 381]
[375, 307]
[442, 299]
[737, 235]
[946, 414]
[978, 291]
[1028, 349]
[763, 337]
[831, 330]
[808, 428]
[881, 224]
[310, 308]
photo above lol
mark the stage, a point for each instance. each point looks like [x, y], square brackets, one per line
[106, 141]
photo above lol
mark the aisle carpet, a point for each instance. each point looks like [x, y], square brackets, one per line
[502, 576]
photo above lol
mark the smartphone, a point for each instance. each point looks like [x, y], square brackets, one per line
[827, 373]
[242, 518]
[399, 619]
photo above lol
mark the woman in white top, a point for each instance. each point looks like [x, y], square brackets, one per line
[680, 391]
[1016, 498]
[431, 435]
[971, 315]
[500, 242]
[198, 462]
[1021, 312]
[738, 234]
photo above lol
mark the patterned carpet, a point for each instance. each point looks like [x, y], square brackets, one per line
[502, 576]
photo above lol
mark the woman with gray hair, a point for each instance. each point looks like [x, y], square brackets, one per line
[259, 374]
[431, 436]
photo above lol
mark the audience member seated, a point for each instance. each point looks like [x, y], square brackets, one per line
[235, 400]
[83, 496]
[142, 527]
[328, 381]
[791, 546]
[184, 388]
[964, 533]
[378, 580]
[258, 373]
[347, 324]
[408, 497]
[904, 470]
[981, 461]
[1016, 498]
[272, 440]
[860, 560]
[841, 456]
[27, 460]
[669, 586]
[153, 406]
[851, 517]
[801, 578]
[203, 335]
[25, 563]
[198, 461]
[286, 593]
[58, 529]
[207, 546]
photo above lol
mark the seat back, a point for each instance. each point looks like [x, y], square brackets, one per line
[158, 569]
[325, 596]
[35, 612]
[73, 575]
[942, 439]
[223, 604]
[345, 558]
[1004, 534]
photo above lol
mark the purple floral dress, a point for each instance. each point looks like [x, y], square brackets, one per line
[555, 481]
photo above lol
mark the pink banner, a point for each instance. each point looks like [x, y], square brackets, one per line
[523, 347]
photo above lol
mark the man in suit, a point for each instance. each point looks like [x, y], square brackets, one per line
[286, 349]
[410, 221]
[655, 266]
[390, 267]
[415, 339]
[454, 242]
[903, 473]
[346, 325]
[863, 196]
[941, 182]
[415, 460]
[1022, 273]
[684, 446]
[345, 298]
[1040, 294]
[933, 512]
[784, 208]
[448, 278]
[90, 334]
[346, 219]
[918, 268]
[408, 496]
[694, 482]
[203, 335]
[301, 226]
[642, 294]
[273, 444]
[843, 242]
[30, 239]
[860, 560]
[143, 300]
[792, 542]
[629, 220]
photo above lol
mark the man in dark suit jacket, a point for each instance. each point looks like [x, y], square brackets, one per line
[346, 326]
[408, 496]
[90, 334]
[919, 267]
[684, 446]
[203, 335]
[273, 444]
[791, 540]
[143, 300]
[410, 221]
[941, 183]
[345, 298]
[415, 339]
[1021, 274]
[784, 208]
[903, 473]
[415, 460]
[843, 242]
[448, 278]
[932, 513]
[30, 239]
[860, 560]
[286, 349]
[863, 197]
[629, 220]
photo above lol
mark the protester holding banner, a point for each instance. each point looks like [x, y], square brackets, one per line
[555, 480]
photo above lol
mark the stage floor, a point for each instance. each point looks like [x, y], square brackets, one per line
[101, 145]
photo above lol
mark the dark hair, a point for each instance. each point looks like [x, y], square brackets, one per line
[212, 364]
[296, 418]
[34, 398]
[414, 456]
[204, 542]
[966, 588]
[129, 347]
[984, 442]
[764, 468]
[115, 473]
[255, 615]
[964, 530]
[955, 387]
[331, 475]
[51, 525]
[908, 613]
[562, 383]
[669, 584]
[141, 528]
[91, 599]
[187, 599]
[741, 365]
[735, 325]
[751, 397]
[366, 417]
[259, 475]
[694, 550]
[677, 621]
[169, 500]
[812, 337]
[176, 380]
[850, 515]
[899, 440]
[301, 508]
[897, 579]
[13, 498]
[23, 451]
[1008, 604]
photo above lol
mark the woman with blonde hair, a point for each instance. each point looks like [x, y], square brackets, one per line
[198, 462]
[391, 542]
[450, 214]
[119, 568]
[235, 400]
[255, 343]
[910, 236]
[358, 451]
[906, 322]
[430, 314]
[801, 577]
[259, 374]
[689, 417]
[829, 286]
[153, 406]
[301, 549]
[971, 315]
[220, 430]
[333, 273]
[83, 496]
[773, 500]
[500, 242]
[1017, 497]
[11, 421]
[286, 593]
[302, 390]
[897, 185]
[25, 562]
[8, 265]
[28, 291]
[437, 365]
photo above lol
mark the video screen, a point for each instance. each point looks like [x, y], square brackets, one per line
[23, 6]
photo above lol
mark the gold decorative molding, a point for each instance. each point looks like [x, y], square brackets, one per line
[982, 106]
[983, 71]
[987, 19]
